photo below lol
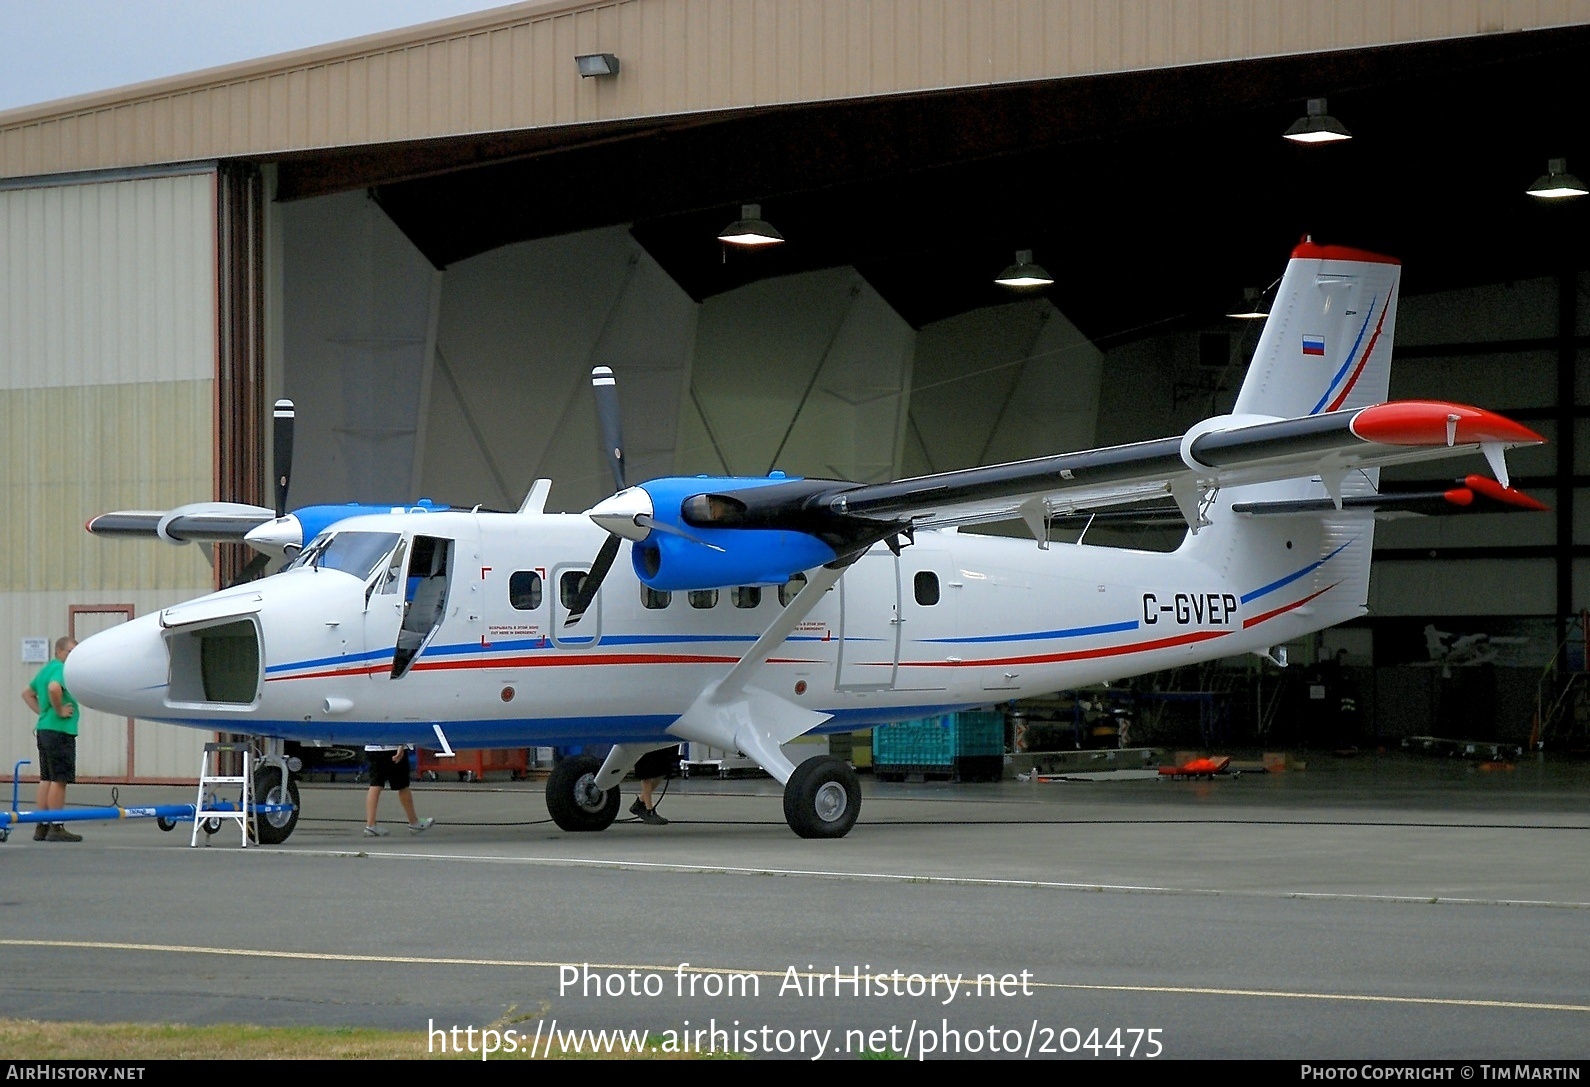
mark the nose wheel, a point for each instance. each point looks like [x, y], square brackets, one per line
[276, 826]
[574, 801]
[822, 798]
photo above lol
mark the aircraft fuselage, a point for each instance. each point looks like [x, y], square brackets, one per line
[319, 653]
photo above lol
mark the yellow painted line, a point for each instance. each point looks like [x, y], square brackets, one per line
[689, 968]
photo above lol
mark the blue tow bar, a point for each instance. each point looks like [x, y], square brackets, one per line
[174, 813]
[168, 815]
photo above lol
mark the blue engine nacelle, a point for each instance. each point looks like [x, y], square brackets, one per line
[749, 556]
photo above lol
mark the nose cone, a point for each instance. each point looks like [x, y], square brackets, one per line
[620, 513]
[275, 537]
[123, 670]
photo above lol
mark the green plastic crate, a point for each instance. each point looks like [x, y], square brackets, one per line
[939, 740]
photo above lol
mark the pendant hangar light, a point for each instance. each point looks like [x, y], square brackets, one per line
[1254, 305]
[1024, 274]
[750, 230]
[1317, 126]
[1557, 183]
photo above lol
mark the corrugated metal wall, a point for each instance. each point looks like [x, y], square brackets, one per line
[515, 69]
[107, 363]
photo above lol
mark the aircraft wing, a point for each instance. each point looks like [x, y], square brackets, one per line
[198, 522]
[1220, 452]
[1228, 451]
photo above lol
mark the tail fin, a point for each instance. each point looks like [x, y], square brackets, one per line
[1325, 347]
[1327, 343]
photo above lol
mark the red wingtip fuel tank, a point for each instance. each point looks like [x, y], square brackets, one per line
[1428, 422]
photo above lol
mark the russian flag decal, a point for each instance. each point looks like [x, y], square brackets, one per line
[1314, 345]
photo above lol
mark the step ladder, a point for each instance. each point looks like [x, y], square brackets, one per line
[210, 775]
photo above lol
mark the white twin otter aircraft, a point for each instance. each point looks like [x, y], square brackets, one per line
[755, 610]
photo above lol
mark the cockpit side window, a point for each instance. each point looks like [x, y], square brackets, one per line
[392, 577]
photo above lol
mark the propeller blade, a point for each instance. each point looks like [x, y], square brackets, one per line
[593, 580]
[282, 440]
[605, 389]
[254, 569]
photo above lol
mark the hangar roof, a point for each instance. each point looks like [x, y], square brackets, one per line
[1134, 145]
[512, 68]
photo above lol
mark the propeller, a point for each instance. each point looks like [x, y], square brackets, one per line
[627, 514]
[283, 443]
[604, 387]
[282, 418]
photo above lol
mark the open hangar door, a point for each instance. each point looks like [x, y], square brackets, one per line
[465, 384]
[481, 283]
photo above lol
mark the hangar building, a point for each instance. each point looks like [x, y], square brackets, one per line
[427, 238]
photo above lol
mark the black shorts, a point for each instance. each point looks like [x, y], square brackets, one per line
[383, 771]
[57, 756]
[658, 764]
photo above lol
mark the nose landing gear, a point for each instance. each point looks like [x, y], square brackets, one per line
[574, 801]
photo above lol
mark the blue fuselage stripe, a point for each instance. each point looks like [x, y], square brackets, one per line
[1348, 361]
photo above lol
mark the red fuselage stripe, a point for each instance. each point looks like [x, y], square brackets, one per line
[1257, 619]
[1364, 361]
[1079, 654]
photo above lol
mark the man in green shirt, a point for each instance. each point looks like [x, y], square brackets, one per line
[57, 735]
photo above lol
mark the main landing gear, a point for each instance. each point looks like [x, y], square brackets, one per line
[821, 799]
[574, 801]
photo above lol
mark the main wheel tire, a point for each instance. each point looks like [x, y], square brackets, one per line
[276, 827]
[822, 798]
[574, 801]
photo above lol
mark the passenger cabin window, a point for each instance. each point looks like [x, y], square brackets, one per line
[653, 599]
[524, 590]
[703, 598]
[926, 584]
[746, 596]
[787, 591]
[569, 587]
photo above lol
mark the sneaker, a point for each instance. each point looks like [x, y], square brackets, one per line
[41, 831]
[59, 833]
[376, 832]
[638, 808]
[422, 826]
[649, 815]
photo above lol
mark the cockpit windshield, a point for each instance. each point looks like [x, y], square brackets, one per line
[356, 553]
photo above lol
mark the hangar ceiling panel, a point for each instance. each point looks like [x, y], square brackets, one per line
[1103, 177]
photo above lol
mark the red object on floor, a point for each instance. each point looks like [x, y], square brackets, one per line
[1208, 766]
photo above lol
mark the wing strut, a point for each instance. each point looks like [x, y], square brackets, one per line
[737, 716]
